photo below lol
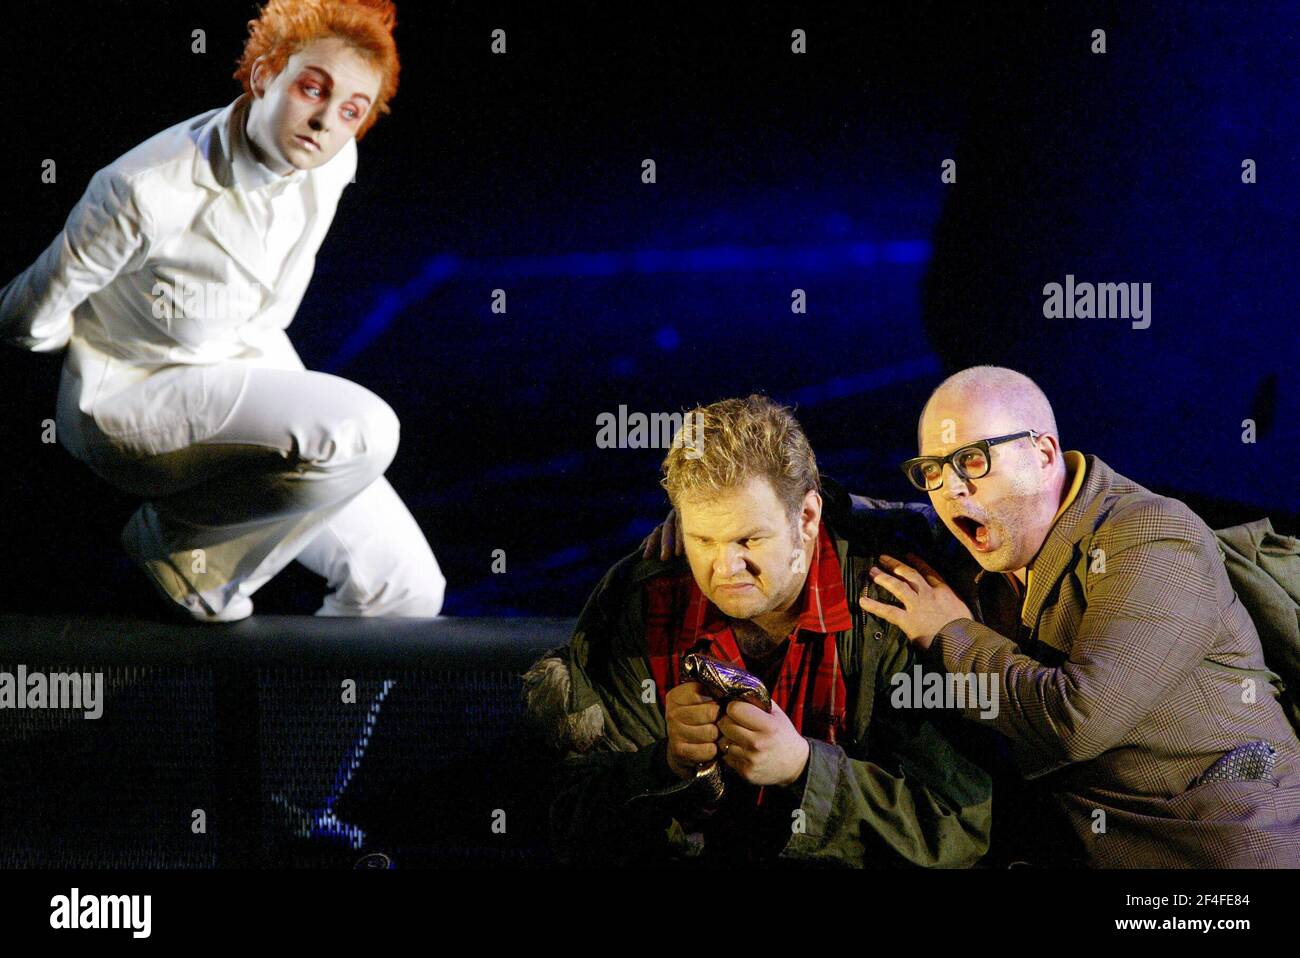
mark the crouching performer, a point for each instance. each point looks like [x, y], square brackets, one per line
[731, 706]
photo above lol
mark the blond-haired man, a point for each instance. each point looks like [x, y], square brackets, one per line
[829, 775]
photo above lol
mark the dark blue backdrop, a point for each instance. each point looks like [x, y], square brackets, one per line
[775, 172]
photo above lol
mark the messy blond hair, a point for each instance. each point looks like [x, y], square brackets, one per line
[735, 440]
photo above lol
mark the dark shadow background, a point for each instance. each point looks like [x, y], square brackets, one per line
[775, 172]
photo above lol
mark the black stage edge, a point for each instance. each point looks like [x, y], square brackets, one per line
[277, 639]
[276, 742]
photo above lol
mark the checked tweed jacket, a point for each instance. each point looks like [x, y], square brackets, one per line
[1133, 669]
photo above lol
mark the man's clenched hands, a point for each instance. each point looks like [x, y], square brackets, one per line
[692, 734]
[763, 748]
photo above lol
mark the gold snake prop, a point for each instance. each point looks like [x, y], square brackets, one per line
[725, 683]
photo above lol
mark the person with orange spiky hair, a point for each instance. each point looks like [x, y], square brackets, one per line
[285, 28]
[171, 287]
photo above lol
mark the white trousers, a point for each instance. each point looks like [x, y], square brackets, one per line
[294, 471]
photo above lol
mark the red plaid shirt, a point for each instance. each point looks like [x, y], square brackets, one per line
[809, 686]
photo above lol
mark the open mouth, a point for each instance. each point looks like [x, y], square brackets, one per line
[976, 532]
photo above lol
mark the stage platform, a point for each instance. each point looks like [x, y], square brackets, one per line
[278, 741]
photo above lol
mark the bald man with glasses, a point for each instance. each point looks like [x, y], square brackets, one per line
[1132, 685]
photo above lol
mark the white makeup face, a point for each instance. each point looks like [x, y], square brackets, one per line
[304, 116]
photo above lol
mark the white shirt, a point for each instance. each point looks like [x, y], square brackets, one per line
[275, 202]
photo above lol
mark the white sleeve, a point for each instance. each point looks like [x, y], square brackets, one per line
[106, 233]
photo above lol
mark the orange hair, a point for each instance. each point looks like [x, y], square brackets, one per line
[285, 26]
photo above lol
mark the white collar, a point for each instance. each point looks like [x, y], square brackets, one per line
[250, 173]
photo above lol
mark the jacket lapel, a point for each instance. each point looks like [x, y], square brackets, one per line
[1058, 554]
[226, 219]
[859, 652]
[228, 222]
[310, 207]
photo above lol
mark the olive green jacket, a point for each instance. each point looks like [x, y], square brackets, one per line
[897, 791]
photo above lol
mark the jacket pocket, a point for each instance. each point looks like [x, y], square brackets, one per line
[172, 408]
[1251, 803]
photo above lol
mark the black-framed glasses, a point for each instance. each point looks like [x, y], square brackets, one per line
[971, 461]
